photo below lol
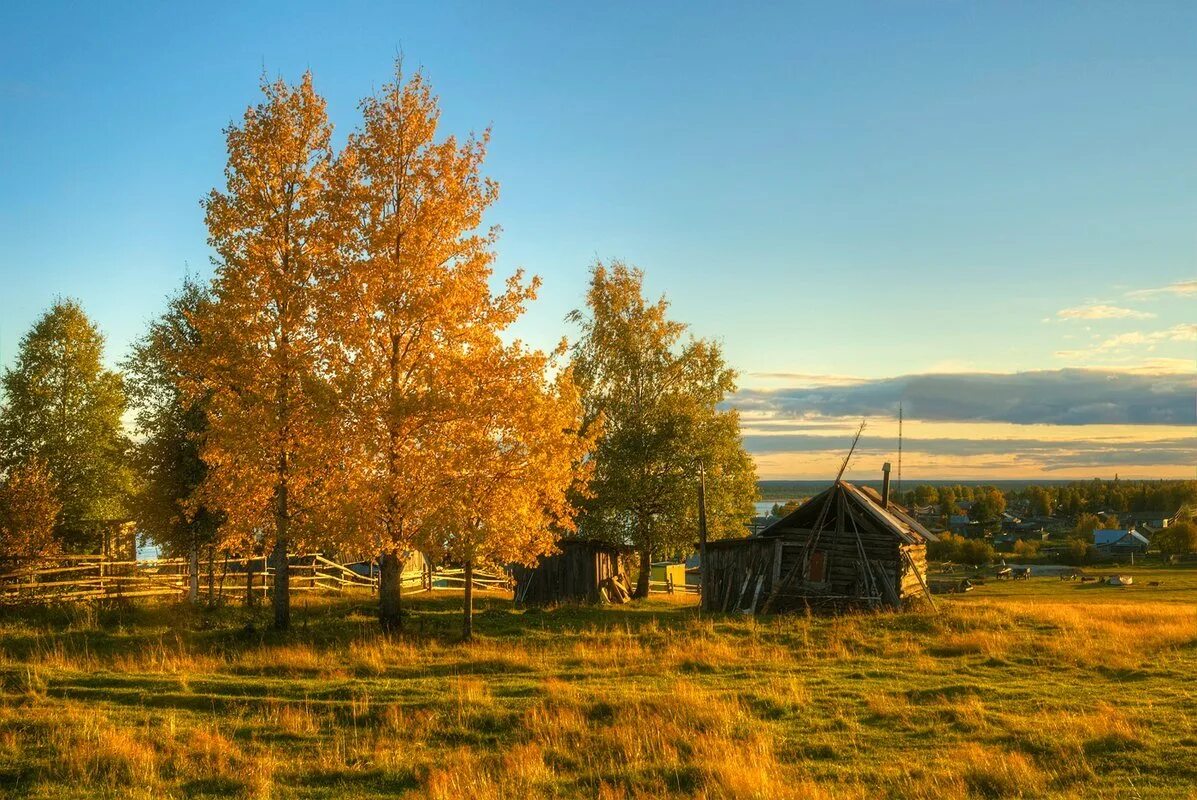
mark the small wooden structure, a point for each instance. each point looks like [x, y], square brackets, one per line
[579, 573]
[848, 546]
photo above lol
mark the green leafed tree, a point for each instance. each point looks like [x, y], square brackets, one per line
[1085, 525]
[655, 392]
[63, 408]
[170, 425]
[1178, 539]
[947, 503]
[987, 506]
[925, 495]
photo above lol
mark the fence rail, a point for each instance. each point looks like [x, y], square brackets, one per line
[671, 587]
[87, 578]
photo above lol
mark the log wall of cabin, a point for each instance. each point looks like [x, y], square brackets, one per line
[737, 567]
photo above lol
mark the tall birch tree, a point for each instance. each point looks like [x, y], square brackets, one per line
[411, 300]
[260, 357]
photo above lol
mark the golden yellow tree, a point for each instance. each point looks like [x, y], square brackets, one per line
[409, 301]
[260, 359]
[517, 459]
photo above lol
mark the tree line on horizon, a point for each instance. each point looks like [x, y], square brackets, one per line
[345, 380]
[1070, 499]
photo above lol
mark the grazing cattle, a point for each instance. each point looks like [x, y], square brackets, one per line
[1088, 580]
[1003, 574]
[1022, 573]
[1153, 583]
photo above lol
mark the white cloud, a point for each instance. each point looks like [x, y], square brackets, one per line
[1186, 332]
[1148, 340]
[807, 378]
[1180, 288]
[1100, 311]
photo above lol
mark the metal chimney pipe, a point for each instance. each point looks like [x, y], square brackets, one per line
[885, 485]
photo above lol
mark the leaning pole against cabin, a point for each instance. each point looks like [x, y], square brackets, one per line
[846, 547]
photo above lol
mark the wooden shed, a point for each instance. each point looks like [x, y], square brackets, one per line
[580, 572]
[848, 546]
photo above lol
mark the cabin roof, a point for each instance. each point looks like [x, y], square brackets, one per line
[893, 519]
[1107, 538]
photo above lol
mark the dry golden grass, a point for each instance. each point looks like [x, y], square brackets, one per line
[996, 696]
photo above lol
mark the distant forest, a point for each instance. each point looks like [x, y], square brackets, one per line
[1043, 497]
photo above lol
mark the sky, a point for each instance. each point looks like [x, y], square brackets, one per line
[983, 212]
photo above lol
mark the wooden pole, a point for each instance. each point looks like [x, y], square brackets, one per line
[702, 533]
[467, 630]
[193, 574]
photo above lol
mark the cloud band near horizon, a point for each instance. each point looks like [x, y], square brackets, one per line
[1076, 422]
[1045, 397]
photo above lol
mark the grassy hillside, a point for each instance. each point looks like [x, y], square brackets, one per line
[1037, 688]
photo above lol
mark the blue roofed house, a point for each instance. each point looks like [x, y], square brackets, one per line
[1117, 542]
[960, 523]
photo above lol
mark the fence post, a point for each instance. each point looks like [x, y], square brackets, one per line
[193, 575]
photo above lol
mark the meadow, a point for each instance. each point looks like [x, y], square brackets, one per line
[1036, 688]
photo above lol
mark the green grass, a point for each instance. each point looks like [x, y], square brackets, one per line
[1035, 688]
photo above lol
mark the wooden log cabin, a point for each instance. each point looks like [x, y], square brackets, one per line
[846, 547]
[575, 574]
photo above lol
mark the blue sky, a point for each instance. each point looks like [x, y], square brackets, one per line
[844, 194]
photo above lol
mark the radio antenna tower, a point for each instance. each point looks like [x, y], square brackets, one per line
[899, 449]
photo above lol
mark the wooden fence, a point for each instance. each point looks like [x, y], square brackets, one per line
[87, 578]
[671, 587]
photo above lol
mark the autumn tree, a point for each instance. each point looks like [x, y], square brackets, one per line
[925, 495]
[409, 303]
[516, 463]
[947, 503]
[657, 394]
[1041, 500]
[29, 510]
[1085, 525]
[258, 367]
[988, 505]
[1027, 548]
[781, 510]
[1178, 539]
[63, 409]
[170, 426]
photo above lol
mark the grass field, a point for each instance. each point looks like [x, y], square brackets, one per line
[1035, 688]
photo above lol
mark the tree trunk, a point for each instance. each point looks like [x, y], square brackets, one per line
[646, 571]
[211, 576]
[193, 575]
[280, 594]
[390, 590]
[467, 628]
[250, 599]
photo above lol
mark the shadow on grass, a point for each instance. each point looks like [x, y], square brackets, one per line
[324, 624]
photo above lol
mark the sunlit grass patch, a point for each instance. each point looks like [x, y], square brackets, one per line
[991, 697]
